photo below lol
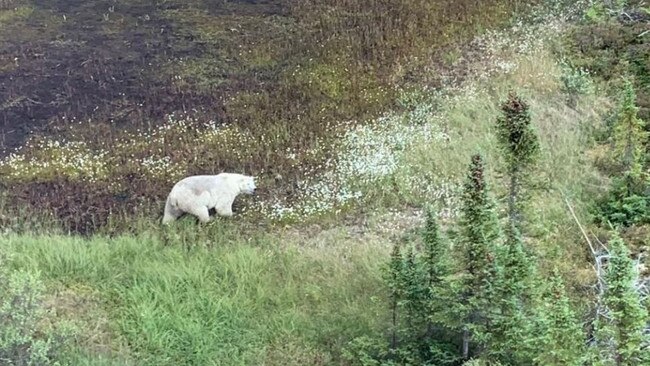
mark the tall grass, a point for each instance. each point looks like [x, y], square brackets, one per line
[255, 300]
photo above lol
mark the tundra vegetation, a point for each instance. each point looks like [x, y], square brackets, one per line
[441, 182]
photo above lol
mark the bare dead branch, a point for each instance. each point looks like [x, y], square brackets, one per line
[584, 233]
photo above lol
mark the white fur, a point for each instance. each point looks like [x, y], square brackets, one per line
[196, 195]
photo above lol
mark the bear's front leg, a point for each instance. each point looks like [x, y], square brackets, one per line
[168, 218]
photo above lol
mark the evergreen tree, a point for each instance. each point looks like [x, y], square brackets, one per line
[394, 280]
[436, 252]
[520, 147]
[437, 266]
[629, 140]
[479, 232]
[561, 340]
[418, 283]
[415, 300]
[518, 267]
[620, 331]
[513, 325]
[629, 197]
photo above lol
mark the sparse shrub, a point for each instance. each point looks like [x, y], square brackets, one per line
[611, 47]
[575, 81]
[596, 12]
[410, 98]
[27, 337]
[620, 209]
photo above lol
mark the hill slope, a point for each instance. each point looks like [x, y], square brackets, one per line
[105, 88]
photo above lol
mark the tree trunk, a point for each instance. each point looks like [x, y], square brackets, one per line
[393, 341]
[513, 213]
[465, 343]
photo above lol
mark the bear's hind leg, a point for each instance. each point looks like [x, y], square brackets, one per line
[202, 213]
[224, 211]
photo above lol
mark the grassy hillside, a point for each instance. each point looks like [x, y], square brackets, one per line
[355, 121]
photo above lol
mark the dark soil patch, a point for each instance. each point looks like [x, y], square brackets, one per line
[100, 60]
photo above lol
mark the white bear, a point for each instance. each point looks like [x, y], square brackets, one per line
[196, 195]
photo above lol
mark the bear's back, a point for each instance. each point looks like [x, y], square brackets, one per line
[197, 183]
[202, 183]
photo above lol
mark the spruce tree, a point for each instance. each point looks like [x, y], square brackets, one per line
[394, 280]
[620, 330]
[628, 202]
[436, 252]
[415, 299]
[520, 148]
[629, 139]
[514, 289]
[479, 233]
[561, 340]
[518, 266]
[437, 266]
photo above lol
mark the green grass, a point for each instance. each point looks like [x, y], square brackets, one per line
[240, 302]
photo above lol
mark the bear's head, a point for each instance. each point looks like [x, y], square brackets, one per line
[247, 184]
